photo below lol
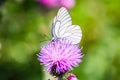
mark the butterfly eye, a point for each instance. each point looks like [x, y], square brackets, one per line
[53, 40]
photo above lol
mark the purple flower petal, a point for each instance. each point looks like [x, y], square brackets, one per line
[60, 56]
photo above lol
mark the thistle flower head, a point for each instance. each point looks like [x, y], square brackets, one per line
[60, 56]
[49, 3]
[56, 3]
[67, 3]
[72, 77]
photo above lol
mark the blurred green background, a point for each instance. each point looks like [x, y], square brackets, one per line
[25, 25]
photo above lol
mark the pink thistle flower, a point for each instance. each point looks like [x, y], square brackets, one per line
[49, 3]
[57, 3]
[72, 77]
[67, 3]
[60, 56]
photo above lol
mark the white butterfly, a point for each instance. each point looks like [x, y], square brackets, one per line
[62, 27]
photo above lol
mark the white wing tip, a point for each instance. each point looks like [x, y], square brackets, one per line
[63, 8]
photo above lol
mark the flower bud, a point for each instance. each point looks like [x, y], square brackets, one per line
[72, 77]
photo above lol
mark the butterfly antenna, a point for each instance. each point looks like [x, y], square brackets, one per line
[46, 38]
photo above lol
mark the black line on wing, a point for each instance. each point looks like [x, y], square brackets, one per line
[73, 28]
[59, 28]
[73, 33]
[76, 32]
[62, 9]
[61, 13]
[72, 40]
[66, 22]
[69, 29]
[62, 16]
[62, 29]
[77, 35]
[66, 17]
[52, 29]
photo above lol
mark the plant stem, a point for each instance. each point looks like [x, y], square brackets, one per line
[60, 78]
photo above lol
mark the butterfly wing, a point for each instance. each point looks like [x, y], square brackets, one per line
[73, 34]
[63, 28]
[61, 22]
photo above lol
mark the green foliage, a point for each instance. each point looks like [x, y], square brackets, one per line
[25, 26]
